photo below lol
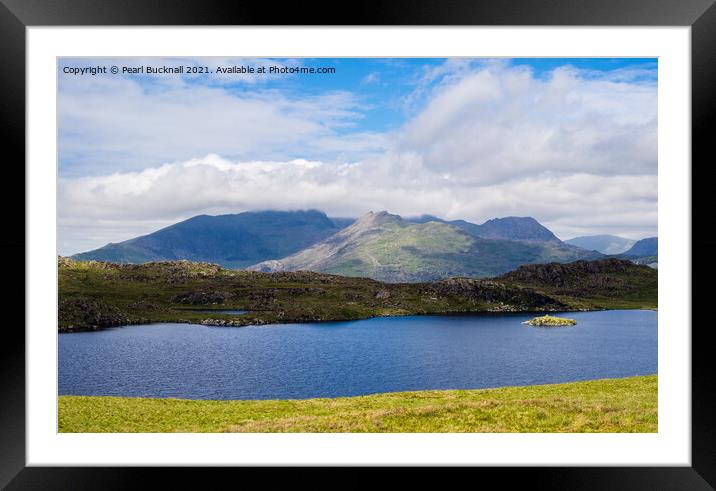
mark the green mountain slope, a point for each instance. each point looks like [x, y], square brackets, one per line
[388, 248]
[233, 241]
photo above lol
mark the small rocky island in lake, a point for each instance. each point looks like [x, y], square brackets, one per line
[550, 321]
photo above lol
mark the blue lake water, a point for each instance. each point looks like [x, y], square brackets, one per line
[356, 357]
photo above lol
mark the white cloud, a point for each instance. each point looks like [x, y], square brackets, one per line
[576, 151]
[118, 124]
[496, 123]
[371, 78]
[132, 203]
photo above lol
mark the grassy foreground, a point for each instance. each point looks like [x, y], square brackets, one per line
[609, 405]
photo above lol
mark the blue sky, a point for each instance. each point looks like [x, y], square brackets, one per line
[377, 133]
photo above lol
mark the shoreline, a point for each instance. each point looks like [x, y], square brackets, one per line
[97, 295]
[476, 313]
[371, 394]
[627, 404]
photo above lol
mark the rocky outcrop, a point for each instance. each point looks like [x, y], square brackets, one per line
[511, 298]
[560, 275]
[209, 297]
[605, 278]
[83, 314]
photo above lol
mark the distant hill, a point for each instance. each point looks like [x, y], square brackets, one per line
[386, 247]
[606, 244]
[233, 241]
[525, 229]
[644, 247]
[609, 282]
[515, 228]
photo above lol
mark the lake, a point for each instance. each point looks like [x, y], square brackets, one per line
[356, 357]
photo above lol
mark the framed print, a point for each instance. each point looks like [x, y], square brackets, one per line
[424, 237]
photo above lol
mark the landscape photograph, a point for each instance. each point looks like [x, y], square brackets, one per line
[373, 245]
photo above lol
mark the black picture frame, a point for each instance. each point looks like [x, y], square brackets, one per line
[700, 15]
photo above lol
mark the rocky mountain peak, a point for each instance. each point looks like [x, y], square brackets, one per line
[516, 228]
[372, 219]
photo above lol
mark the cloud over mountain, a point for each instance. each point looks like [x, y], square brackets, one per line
[574, 149]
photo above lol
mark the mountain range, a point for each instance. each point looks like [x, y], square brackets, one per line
[232, 241]
[606, 244]
[644, 247]
[381, 245]
[523, 229]
[387, 247]
[644, 251]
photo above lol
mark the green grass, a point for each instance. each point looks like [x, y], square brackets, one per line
[609, 405]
